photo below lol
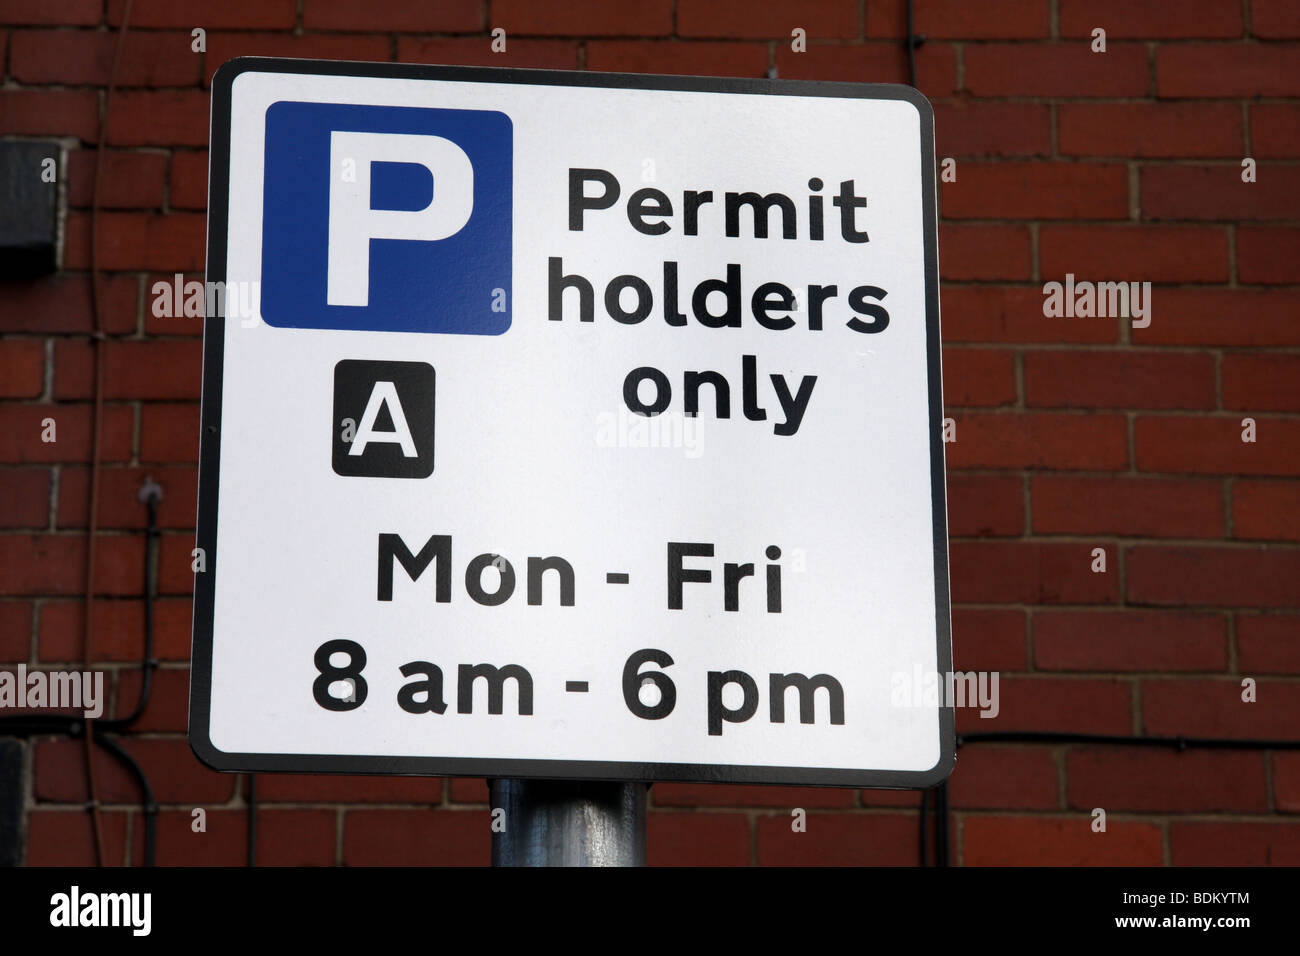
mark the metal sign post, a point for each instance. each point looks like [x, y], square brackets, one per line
[568, 823]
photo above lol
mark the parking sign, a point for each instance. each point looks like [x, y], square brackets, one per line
[571, 425]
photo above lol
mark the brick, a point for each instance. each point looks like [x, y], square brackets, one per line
[72, 113]
[979, 377]
[1275, 130]
[55, 564]
[416, 838]
[339, 788]
[1274, 19]
[986, 505]
[315, 46]
[984, 252]
[1217, 193]
[86, 13]
[174, 773]
[697, 58]
[891, 798]
[1215, 577]
[772, 20]
[24, 498]
[158, 118]
[284, 838]
[1267, 255]
[15, 631]
[1134, 253]
[1160, 130]
[21, 429]
[958, 20]
[134, 240]
[130, 180]
[936, 64]
[65, 838]
[859, 839]
[468, 790]
[1055, 704]
[1152, 779]
[1265, 383]
[1268, 643]
[1001, 777]
[1227, 70]
[1019, 190]
[1039, 440]
[119, 630]
[85, 58]
[1025, 572]
[1129, 640]
[582, 18]
[1234, 844]
[295, 837]
[1266, 510]
[169, 433]
[1127, 506]
[988, 639]
[176, 564]
[134, 369]
[224, 842]
[986, 314]
[189, 180]
[1150, 19]
[119, 502]
[167, 710]
[714, 795]
[1213, 446]
[22, 368]
[62, 303]
[230, 14]
[1043, 841]
[1219, 318]
[1113, 379]
[697, 839]
[477, 51]
[1286, 781]
[979, 128]
[1056, 69]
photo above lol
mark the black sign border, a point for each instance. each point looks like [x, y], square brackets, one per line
[210, 446]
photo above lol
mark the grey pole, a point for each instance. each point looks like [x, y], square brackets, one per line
[568, 823]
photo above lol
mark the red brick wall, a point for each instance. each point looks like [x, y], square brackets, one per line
[1072, 434]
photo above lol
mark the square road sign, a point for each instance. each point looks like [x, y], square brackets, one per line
[571, 425]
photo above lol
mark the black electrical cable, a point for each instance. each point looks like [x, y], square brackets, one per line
[146, 794]
[913, 41]
[252, 819]
[35, 725]
[925, 826]
[941, 824]
[151, 495]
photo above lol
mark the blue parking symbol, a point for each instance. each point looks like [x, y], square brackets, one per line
[387, 219]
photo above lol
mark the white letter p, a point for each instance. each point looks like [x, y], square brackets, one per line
[353, 223]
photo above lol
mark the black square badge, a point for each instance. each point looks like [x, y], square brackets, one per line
[383, 419]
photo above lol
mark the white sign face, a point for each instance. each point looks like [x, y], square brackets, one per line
[569, 425]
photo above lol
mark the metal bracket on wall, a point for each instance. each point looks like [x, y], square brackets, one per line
[31, 201]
